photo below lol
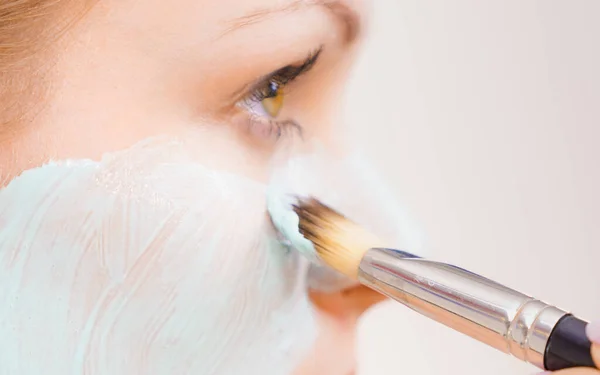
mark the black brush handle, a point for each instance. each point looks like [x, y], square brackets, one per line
[568, 345]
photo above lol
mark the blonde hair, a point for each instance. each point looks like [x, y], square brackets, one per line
[28, 30]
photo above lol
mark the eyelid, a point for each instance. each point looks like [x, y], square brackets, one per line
[259, 83]
[296, 71]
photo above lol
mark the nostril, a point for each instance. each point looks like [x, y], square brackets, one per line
[332, 304]
[361, 298]
[350, 303]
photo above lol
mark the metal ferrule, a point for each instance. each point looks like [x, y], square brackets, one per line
[478, 307]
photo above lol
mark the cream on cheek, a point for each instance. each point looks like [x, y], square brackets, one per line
[146, 263]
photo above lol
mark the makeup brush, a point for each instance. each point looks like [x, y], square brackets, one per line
[510, 321]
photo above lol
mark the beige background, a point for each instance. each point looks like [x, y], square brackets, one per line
[484, 116]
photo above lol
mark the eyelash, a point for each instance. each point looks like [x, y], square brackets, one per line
[263, 90]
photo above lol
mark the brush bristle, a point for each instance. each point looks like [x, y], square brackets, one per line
[339, 242]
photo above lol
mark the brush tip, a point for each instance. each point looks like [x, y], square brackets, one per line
[339, 242]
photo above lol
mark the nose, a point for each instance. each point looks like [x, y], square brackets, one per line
[347, 304]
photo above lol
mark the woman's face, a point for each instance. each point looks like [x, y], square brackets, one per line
[252, 73]
[150, 250]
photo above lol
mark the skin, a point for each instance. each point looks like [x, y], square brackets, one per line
[130, 70]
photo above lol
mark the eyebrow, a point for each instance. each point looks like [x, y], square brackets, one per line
[339, 8]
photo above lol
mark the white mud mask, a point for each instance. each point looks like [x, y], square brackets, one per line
[150, 263]
[146, 263]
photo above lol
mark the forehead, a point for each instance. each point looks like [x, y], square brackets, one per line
[211, 19]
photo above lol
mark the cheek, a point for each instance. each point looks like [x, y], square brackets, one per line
[146, 263]
[217, 146]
